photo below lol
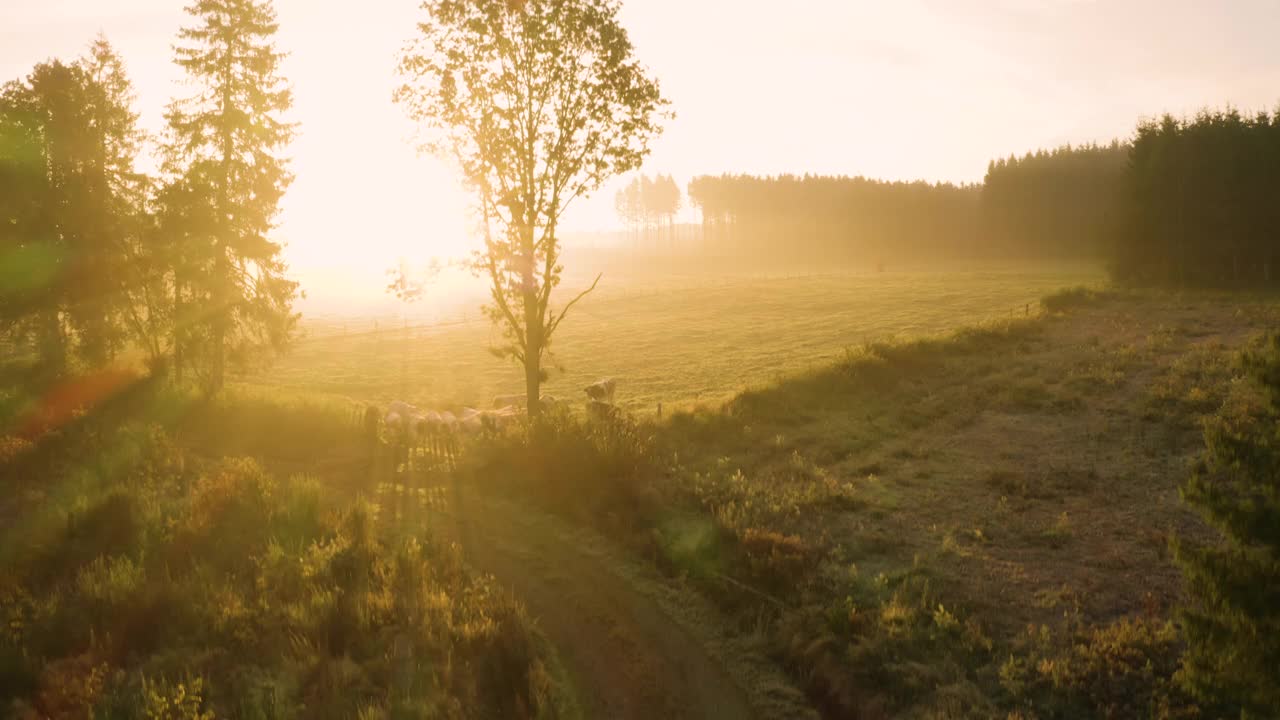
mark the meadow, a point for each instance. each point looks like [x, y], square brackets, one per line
[823, 531]
[680, 338]
[858, 514]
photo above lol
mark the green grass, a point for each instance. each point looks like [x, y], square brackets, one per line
[678, 341]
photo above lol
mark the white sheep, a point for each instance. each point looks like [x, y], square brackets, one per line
[602, 390]
[506, 401]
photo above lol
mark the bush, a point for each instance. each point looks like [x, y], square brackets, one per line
[601, 471]
[1070, 298]
[1232, 621]
[164, 592]
[1122, 670]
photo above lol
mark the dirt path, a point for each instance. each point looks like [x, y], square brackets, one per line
[632, 645]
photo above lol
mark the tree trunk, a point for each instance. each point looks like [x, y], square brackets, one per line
[178, 311]
[221, 322]
[533, 332]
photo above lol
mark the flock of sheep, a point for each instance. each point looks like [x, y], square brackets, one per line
[437, 432]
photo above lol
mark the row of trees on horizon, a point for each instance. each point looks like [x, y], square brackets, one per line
[98, 256]
[646, 204]
[1187, 201]
[1201, 202]
[1058, 203]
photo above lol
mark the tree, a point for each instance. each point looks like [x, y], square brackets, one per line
[65, 165]
[1233, 624]
[130, 278]
[1199, 201]
[226, 142]
[630, 207]
[667, 202]
[538, 102]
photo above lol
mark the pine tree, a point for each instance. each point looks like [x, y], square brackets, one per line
[227, 140]
[60, 211]
[121, 202]
[1233, 624]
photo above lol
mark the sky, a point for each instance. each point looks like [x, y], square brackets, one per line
[910, 89]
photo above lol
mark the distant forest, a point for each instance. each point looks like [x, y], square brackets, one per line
[1202, 201]
[1188, 201]
[1059, 203]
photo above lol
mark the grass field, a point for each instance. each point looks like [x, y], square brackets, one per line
[978, 524]
[921, 504]
[673, 340]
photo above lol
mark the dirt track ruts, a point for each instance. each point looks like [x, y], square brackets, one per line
[625, 656]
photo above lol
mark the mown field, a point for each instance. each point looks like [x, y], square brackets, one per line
[676, 340]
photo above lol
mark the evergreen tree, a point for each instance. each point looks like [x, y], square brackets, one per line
[1199, 201]
[1233, 624]
[64, 164]
[122, 210]
[225, 150]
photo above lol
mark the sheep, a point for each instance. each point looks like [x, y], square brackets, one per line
[548, 402]
[601, 410]
[499, 419]
[398, 427]
[403, 409]
[506, 401]
[602, 390]
[472, 425]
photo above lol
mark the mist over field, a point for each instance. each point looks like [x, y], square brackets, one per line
[560, 359]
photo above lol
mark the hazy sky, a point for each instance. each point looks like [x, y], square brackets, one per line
[906, 89]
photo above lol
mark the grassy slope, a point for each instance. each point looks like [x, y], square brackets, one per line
[671, 340]
[1027, 470]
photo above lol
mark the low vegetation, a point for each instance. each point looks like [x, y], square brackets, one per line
[151, 571]
[866, 509]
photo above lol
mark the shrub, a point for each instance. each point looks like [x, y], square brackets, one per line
[1233, 620]
[600, 470]
[1070, 298]
[244, 596]
[1122, 670]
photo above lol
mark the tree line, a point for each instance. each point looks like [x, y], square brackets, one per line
[1058, 203]
[1192, 201]
[98, 256]
[1054, 203]
[842, 218]
[1201, 201]
[645, 204]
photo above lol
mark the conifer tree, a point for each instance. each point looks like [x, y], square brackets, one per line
[64, 163]
[226, 142]
[1232, 625]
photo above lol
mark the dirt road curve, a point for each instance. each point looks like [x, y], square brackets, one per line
[624, 652]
